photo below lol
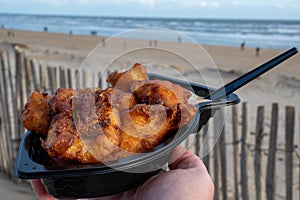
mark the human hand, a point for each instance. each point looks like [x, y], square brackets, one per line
[186, 179]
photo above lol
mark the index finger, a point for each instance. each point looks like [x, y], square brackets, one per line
[40, 190]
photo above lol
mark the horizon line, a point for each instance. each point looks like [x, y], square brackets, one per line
[148, 17]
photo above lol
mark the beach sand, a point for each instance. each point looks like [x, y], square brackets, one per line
[280, 85]
[14, 191]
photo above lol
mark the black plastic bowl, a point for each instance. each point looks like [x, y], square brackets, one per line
[73, 180]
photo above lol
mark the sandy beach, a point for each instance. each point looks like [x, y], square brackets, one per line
[10, 190]
[280, 85]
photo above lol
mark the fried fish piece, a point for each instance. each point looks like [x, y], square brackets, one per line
[121, 100]
[36, 115]
[63, 141]
[62, 101]
[146, 126]
[160, 92]
[121, 80]
[91, 133]
[93, 125]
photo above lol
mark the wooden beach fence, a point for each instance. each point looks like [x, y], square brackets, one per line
[20, 76]
[244, 151]
[241, 166]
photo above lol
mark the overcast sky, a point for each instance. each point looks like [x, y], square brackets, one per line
[241, 9]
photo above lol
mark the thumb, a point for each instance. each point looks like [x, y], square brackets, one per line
[183, 159]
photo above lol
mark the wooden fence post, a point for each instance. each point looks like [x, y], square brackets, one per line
[62, 77]
[12, 80]
[99, 80]
[259, 134]
[19, 70]
[42, 78]
[289, 149]
[216, 161]
[12, 136]
[27, 79]
[235, 138]
[271, 165]
[205, 145]
[33, 71]
[244, 152]
[223, 164]
[77, 78]
[3, 121]
[84, 76]
[55, 78]
[50, 79]
[6, 120]
[69, 72]
[197, 144]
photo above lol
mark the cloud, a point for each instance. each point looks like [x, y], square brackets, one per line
[215, 4]
[202, 3]
[150, 3]
[236, 3]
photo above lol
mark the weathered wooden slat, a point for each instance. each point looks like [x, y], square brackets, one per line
[289, 149]
[216, 154]
[69, 75]
[62, 77]
[259, 134]
[5, 115]
[99, 80]
[19, 67]
[51, 80]
[223, 164]
[235, 138]
[34, 75]
[205, 145]
[197, 144]
[42, 78]
[77, 78]
[28, 78]
[15, 135]
[271, 165]
[55, 79]
[3, 127]
[12, 139]
[84, 78]
[244, 151]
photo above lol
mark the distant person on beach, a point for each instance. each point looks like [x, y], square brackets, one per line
[103, 42]
[155, 43]
[179, 39]
[10, 33]
[243, 45]
[187, 179]
[257, 51]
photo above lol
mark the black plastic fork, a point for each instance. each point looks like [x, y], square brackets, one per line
[232, 86]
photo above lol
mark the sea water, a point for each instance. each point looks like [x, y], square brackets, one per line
[274, 34]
